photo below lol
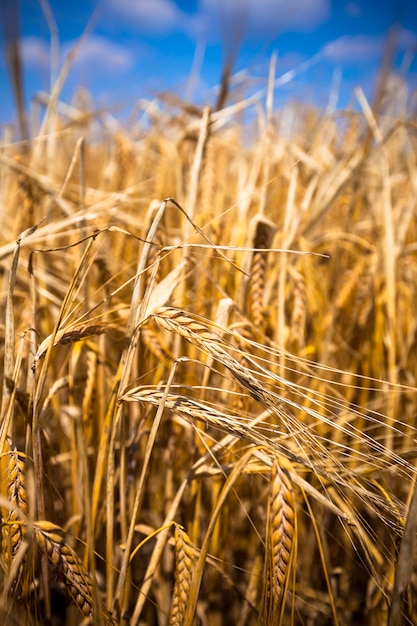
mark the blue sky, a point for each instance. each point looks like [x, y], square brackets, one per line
[135, 49]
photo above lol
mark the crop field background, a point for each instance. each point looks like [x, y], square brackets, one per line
[208, 366]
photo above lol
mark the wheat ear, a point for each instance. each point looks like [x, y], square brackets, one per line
[184, 573]
[258, 273]
[281, 527]
[19, 499]
[299, 310]
[75, 575]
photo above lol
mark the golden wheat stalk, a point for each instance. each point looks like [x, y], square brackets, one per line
[193, 411]
[262, 240]
[239, 402]
[313, 452]
[75, 576]
[199, 334]
[299, 310]
[72, 335]
[183, 576]
[14, 530]
[281, 527]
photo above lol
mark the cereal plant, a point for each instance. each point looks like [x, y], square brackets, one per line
[208, 360]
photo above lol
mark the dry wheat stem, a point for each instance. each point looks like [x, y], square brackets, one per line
[199, 568]
[157, 554]
[140, 492]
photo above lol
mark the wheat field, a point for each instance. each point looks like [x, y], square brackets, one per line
[208, 363]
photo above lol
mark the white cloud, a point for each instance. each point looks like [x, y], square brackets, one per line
[35, 52]
[100, 55]
[266, 17]
[95, 55]
[213, 18]
[354, 48]
[153, 16]
[365, 48]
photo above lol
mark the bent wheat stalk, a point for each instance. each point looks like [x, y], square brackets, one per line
[314, 451]
[74, 574]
